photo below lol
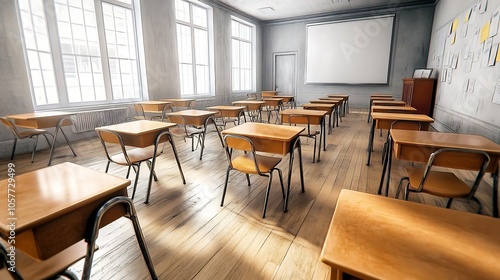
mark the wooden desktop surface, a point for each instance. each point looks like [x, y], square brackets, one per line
[328, 107]
[141, 133]
[227, 111]
[388, 103]
[268, 138]
[327, 101]
[40, 119]
[381, 95]
[392, 109]
[374, 237]
[383, 98]
[53, 206]
[194, 117]
[315, 116]
[179, 102]
[153, 106]
[384, 120]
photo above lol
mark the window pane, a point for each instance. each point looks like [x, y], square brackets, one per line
[201, 46]
[182, 10]
[184, 44]
[186, 73]
[199, 16]
[242, 58]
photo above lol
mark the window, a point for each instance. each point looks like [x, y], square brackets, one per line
[193, 48]
[70, 64]
[242, 56]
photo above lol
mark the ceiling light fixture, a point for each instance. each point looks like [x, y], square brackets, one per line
[266, 10]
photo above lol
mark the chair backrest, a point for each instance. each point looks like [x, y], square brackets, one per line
[300, 119]
[458, 159]
[241, 143]
[406, 125]
[108, 139]
[10, 124]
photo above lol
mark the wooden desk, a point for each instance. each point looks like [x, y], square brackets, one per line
[54, 204]
[338, 103]
[252, 107]
[155, 107]
[272, 104]
[374, 237]
[287, 99]
[180, 102]
[329, 108]
[268, 93]
[388, 103]
[275, 139]
[229, 111]
[42, 120]
[377, 97]
[381, 95]
[345, 98]
[199, 118]
[393, 109]
[385, 120]
[314, 117]
[141, 134]
[417, 146]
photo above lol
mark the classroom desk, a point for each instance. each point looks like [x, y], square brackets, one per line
[142, 134]
[226, 111]
[268, 93]
[381, 95]
[385, 120]
[388, 103]
[341, 105]
[314, 117]
[345, 97]
[53, 206]
[393, 109]
[275, 139]
[180, 102]
[374, 237]
[336, 116]
[287, 99]
[199, 118]
[416, 146]
[329, 108]
[154, 107]
[377, 97]
[252, 107]
[42, 120]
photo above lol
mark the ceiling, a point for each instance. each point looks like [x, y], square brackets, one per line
[288, 9]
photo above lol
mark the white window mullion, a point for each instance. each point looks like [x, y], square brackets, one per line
[101, 31]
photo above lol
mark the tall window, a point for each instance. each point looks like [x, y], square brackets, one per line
[242, 56]
[70, 63]
[193, 48]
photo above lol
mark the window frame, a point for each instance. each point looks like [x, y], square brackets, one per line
[51, 22]
[253, 54]
[210, 50]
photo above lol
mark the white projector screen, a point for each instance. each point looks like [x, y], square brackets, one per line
[349, 52]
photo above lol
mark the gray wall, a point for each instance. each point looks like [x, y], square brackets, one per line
[457, 110]
[411, 39]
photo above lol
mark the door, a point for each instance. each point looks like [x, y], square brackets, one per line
[285, 73]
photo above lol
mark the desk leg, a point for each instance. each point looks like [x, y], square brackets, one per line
[59, 128]
[370, 142]
[295, 144]
[369, 112]
[323, 125]
[320, 141]
[386, 169]
[495, 193]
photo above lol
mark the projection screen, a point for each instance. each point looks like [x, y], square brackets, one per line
[354, 51]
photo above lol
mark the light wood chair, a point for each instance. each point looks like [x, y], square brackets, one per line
[139, 112]
[163, 114]
[24, 133]
[127, 157]
[308, 132]
[447, 184]
[250, 162]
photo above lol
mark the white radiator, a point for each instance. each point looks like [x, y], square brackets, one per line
[89, 120]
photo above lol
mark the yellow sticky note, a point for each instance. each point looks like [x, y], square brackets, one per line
[498, 55]
[453, 38]
[455, 25]
[485, 32]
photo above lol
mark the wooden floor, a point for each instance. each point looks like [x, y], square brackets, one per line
[191, 237]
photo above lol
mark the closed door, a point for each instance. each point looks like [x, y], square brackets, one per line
[285, 73]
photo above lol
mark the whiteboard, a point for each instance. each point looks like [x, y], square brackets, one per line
[349, 52]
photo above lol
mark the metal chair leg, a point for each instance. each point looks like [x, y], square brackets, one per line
[269, 182]
[13, 149]
[225, 186]
[93, 229]
[34, 148]
[136, 179]
[248, 179]
[280, 173]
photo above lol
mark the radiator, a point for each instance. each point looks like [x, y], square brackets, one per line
[89, 120]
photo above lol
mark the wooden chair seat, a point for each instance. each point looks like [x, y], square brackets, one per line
[29, 132]
[135, 155]
[444, 184]
[245, 163]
